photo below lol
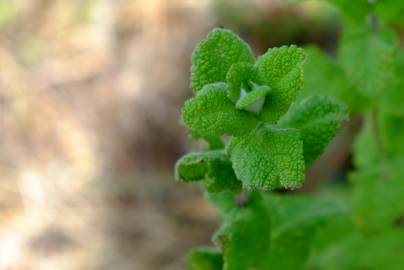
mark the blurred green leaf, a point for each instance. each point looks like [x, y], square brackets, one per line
[368, 60]
[383, 251]
[324, 76]
[378, 197]
[294, 222]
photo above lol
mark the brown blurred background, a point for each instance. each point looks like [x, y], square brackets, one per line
[90, 93]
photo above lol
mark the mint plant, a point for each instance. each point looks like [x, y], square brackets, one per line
[264, 127]
[263, 142]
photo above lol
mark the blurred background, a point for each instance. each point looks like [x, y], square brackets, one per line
[90, 94]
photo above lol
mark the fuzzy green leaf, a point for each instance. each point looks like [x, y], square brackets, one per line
[221, 177]
[212, 112]
[214, 56]
[268, 158]
[281, 69]
[254, 100]
[238, 77]
[318, 119]
[194, 166]
[204, 259]
[213, 167]
[368, 59]
[214, 141]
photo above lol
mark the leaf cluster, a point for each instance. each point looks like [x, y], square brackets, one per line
[271, 142]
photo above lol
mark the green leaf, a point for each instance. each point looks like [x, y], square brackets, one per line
[224, 202]
[390, 137]
[318, 119]
[356, 251]
[294, 222]
[214, 56]
[238, 77]
[365, 153]
[336, 229]
[390, 11]
[211, 112]
[281, 69]
[254, 100]
[392, 134]
[368, 59]
[268, 158]
[378, 196]
[204, 259]
[214, 142]
[324, 76]
[213, 167]
[194, 166]
[392, 102]
[221, 177]
[244, 236]
[353, 12]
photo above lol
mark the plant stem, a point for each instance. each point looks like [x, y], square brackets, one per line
[373, 22]
[378, 142]
[376, 133]
[242, 199]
